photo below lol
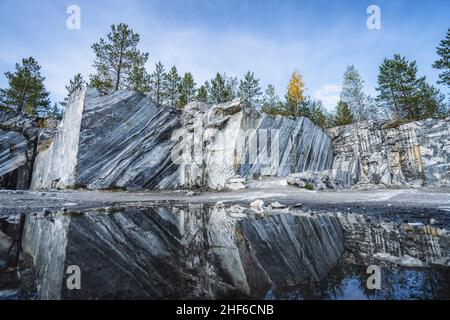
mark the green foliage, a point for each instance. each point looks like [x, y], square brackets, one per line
[55, 112]
[77, 83]
[158, 84]
[172, 87]
[271, 103]
[202, 93]
[119, 64]
[139, 80]
[26, 92]
[405, 96]
[187, 89]
[352, 93]
[309, 186]
[344, 115]
[443, 63]
[249, 89]
[222, 89]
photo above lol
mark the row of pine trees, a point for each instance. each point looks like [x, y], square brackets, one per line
[403, 95]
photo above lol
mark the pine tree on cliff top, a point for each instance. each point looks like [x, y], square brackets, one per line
[75, 84]
[187, 90]
[344, 114]
[158, 84]
[202, 94]
[249, 89]
[117, 59]
[352, 93]
[26, 93]
[172, 88]
[443, 63]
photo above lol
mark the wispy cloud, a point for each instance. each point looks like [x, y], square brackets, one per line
[319, 38]
[329, 95]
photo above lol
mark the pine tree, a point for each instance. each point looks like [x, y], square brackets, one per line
[202, 94]
[222, 89]
[343, 115]
[102, 80]
[117, 59]
[432, 101]
[77, 83]
[171, 90]
[403, 94]
[271, 102]
[443, 50]
[231, 87]
[397, 87]
[352, 93]
[26, 92]
[249, 89]
[317, 114]
[295, 96]
[139, 79]
[158, 84]
[55, 112]
[187, 89]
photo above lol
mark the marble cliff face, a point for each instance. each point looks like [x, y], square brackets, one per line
[124, 140]
[417, 153]
[20, 140]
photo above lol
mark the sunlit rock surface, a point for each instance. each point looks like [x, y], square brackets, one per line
[416, 153]
[234, 140]
[124, 140]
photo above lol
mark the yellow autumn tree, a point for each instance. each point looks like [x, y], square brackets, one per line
[295, 95]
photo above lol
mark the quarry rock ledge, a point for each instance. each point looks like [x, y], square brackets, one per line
[414, 154]
[123, 140]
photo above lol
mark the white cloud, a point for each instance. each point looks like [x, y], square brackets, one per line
[329, 95]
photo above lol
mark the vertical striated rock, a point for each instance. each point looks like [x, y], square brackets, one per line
[19, 140]
[220, 142]
[123, 140]
[117, 141]
[416, 153]
[367, 241]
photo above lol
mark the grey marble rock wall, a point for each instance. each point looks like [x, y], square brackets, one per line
[233, 140]
[123, 140]
[417, 153]
[19, 136]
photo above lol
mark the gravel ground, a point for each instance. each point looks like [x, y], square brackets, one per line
[13, 202]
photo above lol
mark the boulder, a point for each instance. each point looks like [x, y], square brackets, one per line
[327, 179]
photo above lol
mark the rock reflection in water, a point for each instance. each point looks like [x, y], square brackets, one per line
[212, 252]
[348, 282]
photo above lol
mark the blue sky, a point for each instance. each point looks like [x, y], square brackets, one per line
[272, 38]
